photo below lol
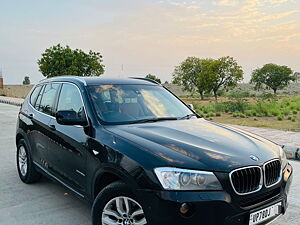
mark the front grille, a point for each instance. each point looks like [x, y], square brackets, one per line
[246, 180]
[272, 172]
[258, 198]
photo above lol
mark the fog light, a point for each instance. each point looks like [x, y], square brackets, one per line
[184, 209]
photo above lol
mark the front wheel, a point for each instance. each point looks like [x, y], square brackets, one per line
[116, 205]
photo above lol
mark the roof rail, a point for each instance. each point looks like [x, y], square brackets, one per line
[145, 79]
[68, 76]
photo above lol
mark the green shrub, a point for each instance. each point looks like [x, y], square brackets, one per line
[275, 113]
[235, 114]
[199, 111]
[286, 113]
[279, 117]
[295, 112]
[249, 113]
[260, 115]
[242, 115]
[238, 94]
[268, 96]
[211, 114]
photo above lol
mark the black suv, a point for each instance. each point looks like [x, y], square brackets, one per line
[141, 156]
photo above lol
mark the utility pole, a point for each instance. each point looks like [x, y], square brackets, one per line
[1, 79]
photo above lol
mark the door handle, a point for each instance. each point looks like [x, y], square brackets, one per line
[52, 127]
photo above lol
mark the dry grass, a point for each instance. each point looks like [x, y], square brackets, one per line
[264, 122]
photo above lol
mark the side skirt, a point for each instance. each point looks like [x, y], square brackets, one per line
[51, 176]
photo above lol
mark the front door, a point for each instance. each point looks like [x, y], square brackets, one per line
[69, 149]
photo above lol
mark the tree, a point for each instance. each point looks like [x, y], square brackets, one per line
[272, 76]
[207, 75]
[189, 74]
[26, 80]
[58, 61]
[223, 72]
[153, 77]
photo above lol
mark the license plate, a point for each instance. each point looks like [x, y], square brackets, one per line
[265, 214]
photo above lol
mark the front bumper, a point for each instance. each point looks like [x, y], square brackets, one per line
[212, 208]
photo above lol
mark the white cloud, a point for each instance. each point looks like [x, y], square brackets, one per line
[290, 37]
[279, 1]
[186, 5]
[227, 3]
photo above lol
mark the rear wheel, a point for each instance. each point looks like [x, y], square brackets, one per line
[25, 166]
[117, 205]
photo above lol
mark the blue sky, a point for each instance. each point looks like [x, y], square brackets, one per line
[148, 36]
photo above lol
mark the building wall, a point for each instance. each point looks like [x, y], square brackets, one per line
[16, 91]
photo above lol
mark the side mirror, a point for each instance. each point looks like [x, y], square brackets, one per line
[191, 106]
[70, 117]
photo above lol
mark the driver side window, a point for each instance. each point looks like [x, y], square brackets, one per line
[70, 99]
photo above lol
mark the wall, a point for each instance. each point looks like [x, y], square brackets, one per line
[21, 91]
[17, 91]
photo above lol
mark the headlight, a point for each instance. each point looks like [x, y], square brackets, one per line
[283, 158]
[186, 180]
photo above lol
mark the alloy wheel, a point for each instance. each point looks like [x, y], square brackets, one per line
[23, 161]
[123, 211]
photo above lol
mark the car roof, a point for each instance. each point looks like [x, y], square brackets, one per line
[101, 81]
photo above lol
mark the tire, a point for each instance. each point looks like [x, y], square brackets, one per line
[27, 173]
[107, 199]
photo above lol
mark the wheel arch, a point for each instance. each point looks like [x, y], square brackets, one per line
[20, 134]
[19, 137]
[106, 176]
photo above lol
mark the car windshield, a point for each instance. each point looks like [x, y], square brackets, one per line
[121, 104]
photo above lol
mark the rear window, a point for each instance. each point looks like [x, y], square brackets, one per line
[35, 94]
[48, 98]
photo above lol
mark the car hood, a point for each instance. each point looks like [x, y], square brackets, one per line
[198, 144]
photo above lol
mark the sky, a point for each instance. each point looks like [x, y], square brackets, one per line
[138, 37]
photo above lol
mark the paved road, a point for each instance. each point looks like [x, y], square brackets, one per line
[287, 138]
[48, 203]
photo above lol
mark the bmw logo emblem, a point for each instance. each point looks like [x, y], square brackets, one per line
[254, 158]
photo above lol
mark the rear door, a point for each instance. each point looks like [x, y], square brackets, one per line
[40, 114]
[69, 146]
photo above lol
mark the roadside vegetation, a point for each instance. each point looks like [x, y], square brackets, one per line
[267, 110]
[214, 79]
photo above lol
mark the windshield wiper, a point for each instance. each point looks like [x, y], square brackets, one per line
[189, 116]
[154, 119]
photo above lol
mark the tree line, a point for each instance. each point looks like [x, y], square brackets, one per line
[210, 75]
[193, 74]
